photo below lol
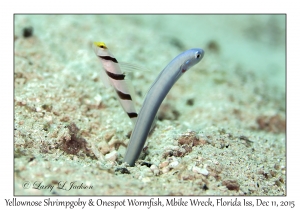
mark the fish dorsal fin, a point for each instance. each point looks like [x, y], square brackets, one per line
[132, 67]
[104, 78]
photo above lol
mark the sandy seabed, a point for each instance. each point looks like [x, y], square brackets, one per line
[220, 131]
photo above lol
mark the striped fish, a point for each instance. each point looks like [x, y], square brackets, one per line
[115, 77]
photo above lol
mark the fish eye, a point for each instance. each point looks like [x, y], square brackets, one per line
[197, 54]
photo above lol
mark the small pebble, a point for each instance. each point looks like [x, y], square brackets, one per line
[200, 170]
[112, 156]
[165, 170]
[98, 99]
[163, 164]
[154, 169]
[38, 109]
[109, 135]
[48, 118]
[27, 32]
[231, 185]
[122, 150]
[174, 164]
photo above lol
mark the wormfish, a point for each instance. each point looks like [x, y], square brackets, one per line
[111, 74]
[156, 94]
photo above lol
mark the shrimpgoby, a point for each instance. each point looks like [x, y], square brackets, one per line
[115, 77]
